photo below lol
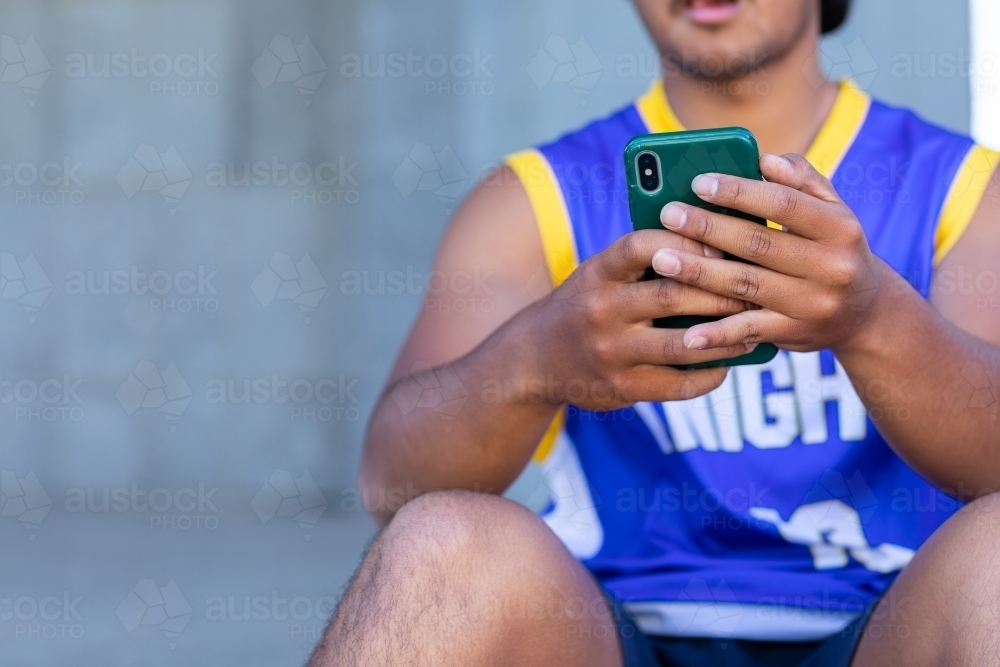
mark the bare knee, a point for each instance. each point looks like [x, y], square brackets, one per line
[460, 533]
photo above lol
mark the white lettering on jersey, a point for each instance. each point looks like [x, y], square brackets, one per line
[832, 529]
[691, 424]
[812, 390]
[768, 421]
[725, 408]
[739, 411]
[573, 517]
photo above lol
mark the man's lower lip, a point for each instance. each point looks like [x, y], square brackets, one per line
[712, 15]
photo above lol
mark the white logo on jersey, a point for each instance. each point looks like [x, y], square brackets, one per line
[831, 529]
[739, 410]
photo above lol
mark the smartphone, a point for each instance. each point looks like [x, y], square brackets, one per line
[659, 169]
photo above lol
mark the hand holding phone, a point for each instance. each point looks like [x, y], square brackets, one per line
[659, 169]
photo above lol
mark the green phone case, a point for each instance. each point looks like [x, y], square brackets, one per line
[682, 156]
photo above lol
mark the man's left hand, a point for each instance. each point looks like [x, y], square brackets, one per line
[817, 286]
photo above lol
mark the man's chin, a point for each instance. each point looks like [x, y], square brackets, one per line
[723, 64]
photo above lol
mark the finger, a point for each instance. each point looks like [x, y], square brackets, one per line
[650, 299]
[628, 258]
[796, 172]
[752, 326]
[736, 280]
[802, 213]
[786, 253]
[667, 347]
[661, 383]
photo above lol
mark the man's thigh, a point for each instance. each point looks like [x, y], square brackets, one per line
[944, 608]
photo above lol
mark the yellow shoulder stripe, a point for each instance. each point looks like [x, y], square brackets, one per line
[970, 183]
[655, 110]
[558, 244]
[551, 216]
[839, 129]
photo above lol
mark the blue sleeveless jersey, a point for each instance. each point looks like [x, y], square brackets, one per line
[770, 508]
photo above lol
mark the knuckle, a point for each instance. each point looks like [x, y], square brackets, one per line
[694, 271]
[673, 347]
[630, 248]
[828, 307]
[746, 285]
[687, 388]
[703, 223]
[843, 273]
[737, 188]
[729, 305]
[604, 350]
[667, 295]
[757, 243]
[854, 236]
[750, 332]
[785, 203]
[595, 310]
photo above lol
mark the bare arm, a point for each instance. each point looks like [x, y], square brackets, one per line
[484, 369]
[938, 365]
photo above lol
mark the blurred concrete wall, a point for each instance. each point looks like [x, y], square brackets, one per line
[147, 276]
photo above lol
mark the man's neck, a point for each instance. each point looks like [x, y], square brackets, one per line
[784, 102]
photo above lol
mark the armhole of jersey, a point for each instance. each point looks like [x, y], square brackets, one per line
[558, 244]
[966, 192]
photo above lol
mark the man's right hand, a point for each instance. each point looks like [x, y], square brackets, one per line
[591, 341]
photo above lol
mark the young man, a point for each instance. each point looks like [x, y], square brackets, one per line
[756, 517]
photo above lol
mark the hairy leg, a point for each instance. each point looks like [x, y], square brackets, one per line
[459, 578]
[944, 609]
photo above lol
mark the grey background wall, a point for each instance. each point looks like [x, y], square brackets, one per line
[127, 169]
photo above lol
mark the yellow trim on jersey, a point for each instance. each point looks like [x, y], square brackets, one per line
[558, 244]
[839, 129]
[551, 216]
[655, 111]
[549, 439]
[828, 148]
[966, 192]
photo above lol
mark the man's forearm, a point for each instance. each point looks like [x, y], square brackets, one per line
[473, 424]
[930, 389]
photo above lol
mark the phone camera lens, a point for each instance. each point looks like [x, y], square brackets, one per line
[649, 171]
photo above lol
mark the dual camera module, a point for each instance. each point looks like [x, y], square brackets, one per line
[647, 166]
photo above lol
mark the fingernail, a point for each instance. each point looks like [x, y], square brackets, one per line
[697, 343]
[666, 263]
[750, 347]
[785, 162]
[705, 185]
[673, 216]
